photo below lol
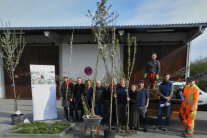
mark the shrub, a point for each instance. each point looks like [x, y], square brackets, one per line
[40, 128]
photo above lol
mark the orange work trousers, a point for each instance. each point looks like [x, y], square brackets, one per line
[188, 119]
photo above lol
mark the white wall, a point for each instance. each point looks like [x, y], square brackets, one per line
[2, 85]
[83, 55]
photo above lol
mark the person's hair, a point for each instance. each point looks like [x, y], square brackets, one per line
[154, 53]
[136, 87]
[88, 81]
[122, 80]
[166, 74]
[78, 78]
[98, 81]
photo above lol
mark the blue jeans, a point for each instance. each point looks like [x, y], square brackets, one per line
[160, 109]
[100, 110]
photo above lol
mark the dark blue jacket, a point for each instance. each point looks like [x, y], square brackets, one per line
[121, 95]
[89, 94]
[165, 90]
[143, 96]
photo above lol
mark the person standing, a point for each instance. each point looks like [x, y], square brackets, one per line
[165, 93]
[121, 95]
[110, 90]
[78, 93]
[143, 104]
[66, 95]
[133, 104]
[88, 92]
[100, 100]
[189, 107]
[152, 71]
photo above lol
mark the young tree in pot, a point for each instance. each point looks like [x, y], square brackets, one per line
[101, 19]
[12, 45]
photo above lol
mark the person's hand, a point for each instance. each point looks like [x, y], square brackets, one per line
[157, 77]
[166, 103]
[71, 99]
[146, 106]
[128, 99]
[145, 75]
[167, 98]
[61, 98]
[115, 95]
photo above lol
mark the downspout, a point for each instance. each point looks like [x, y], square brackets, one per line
[199, 32]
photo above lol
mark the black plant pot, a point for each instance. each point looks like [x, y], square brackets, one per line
[17, 118]
[109, 133]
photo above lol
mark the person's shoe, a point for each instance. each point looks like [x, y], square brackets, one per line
[81, 120]
[132, 128]
[157, 128]
[137, 128]
[165, 129]
[185, 132]
[71, 120]
[123, 127]
[145, 128]
[188, 135]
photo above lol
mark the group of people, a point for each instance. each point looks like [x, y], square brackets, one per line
[72, 96]
[138, 101]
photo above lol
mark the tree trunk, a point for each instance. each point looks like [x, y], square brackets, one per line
[94, 88]
[15, 96]
[112, 86]
[106, 67]
[127, 123]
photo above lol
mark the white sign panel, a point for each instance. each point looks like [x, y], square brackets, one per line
[43, 92]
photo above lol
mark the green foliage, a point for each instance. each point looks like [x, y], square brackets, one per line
[199, 71]
[40, 128]
[198, 66]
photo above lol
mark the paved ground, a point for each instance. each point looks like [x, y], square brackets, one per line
[175, 130]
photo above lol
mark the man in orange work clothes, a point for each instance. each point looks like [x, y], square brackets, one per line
[152, 71]
[189, 106]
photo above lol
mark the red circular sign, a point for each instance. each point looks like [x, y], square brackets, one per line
[88, 71]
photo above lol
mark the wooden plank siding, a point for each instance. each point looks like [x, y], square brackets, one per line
[171, 57]
[41, 55]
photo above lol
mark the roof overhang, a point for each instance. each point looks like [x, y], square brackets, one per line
[156, 33]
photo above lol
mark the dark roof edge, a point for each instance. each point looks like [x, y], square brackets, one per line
[204, 25]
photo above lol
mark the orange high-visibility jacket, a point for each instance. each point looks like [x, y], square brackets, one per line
[190, 94]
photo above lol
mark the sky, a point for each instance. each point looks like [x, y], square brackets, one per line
[22, 13]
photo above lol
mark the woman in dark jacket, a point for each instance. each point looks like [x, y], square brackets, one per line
[66, 95]
[133, 106]
[88, 93]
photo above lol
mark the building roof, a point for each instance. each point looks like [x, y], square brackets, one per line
[204, 24]
[185, 32]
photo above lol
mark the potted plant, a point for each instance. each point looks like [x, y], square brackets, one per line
[12, 44]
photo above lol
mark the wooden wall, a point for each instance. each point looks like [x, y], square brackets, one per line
[171, 57]
[41, 55]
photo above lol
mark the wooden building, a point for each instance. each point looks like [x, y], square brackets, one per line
[49, 46]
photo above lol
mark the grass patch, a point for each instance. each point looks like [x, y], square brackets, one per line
[40, 128]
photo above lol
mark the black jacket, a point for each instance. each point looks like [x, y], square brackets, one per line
[63, 91]
[134, 101]
[66, 92]
[100, 95]
[153, 66]
[78, 91]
